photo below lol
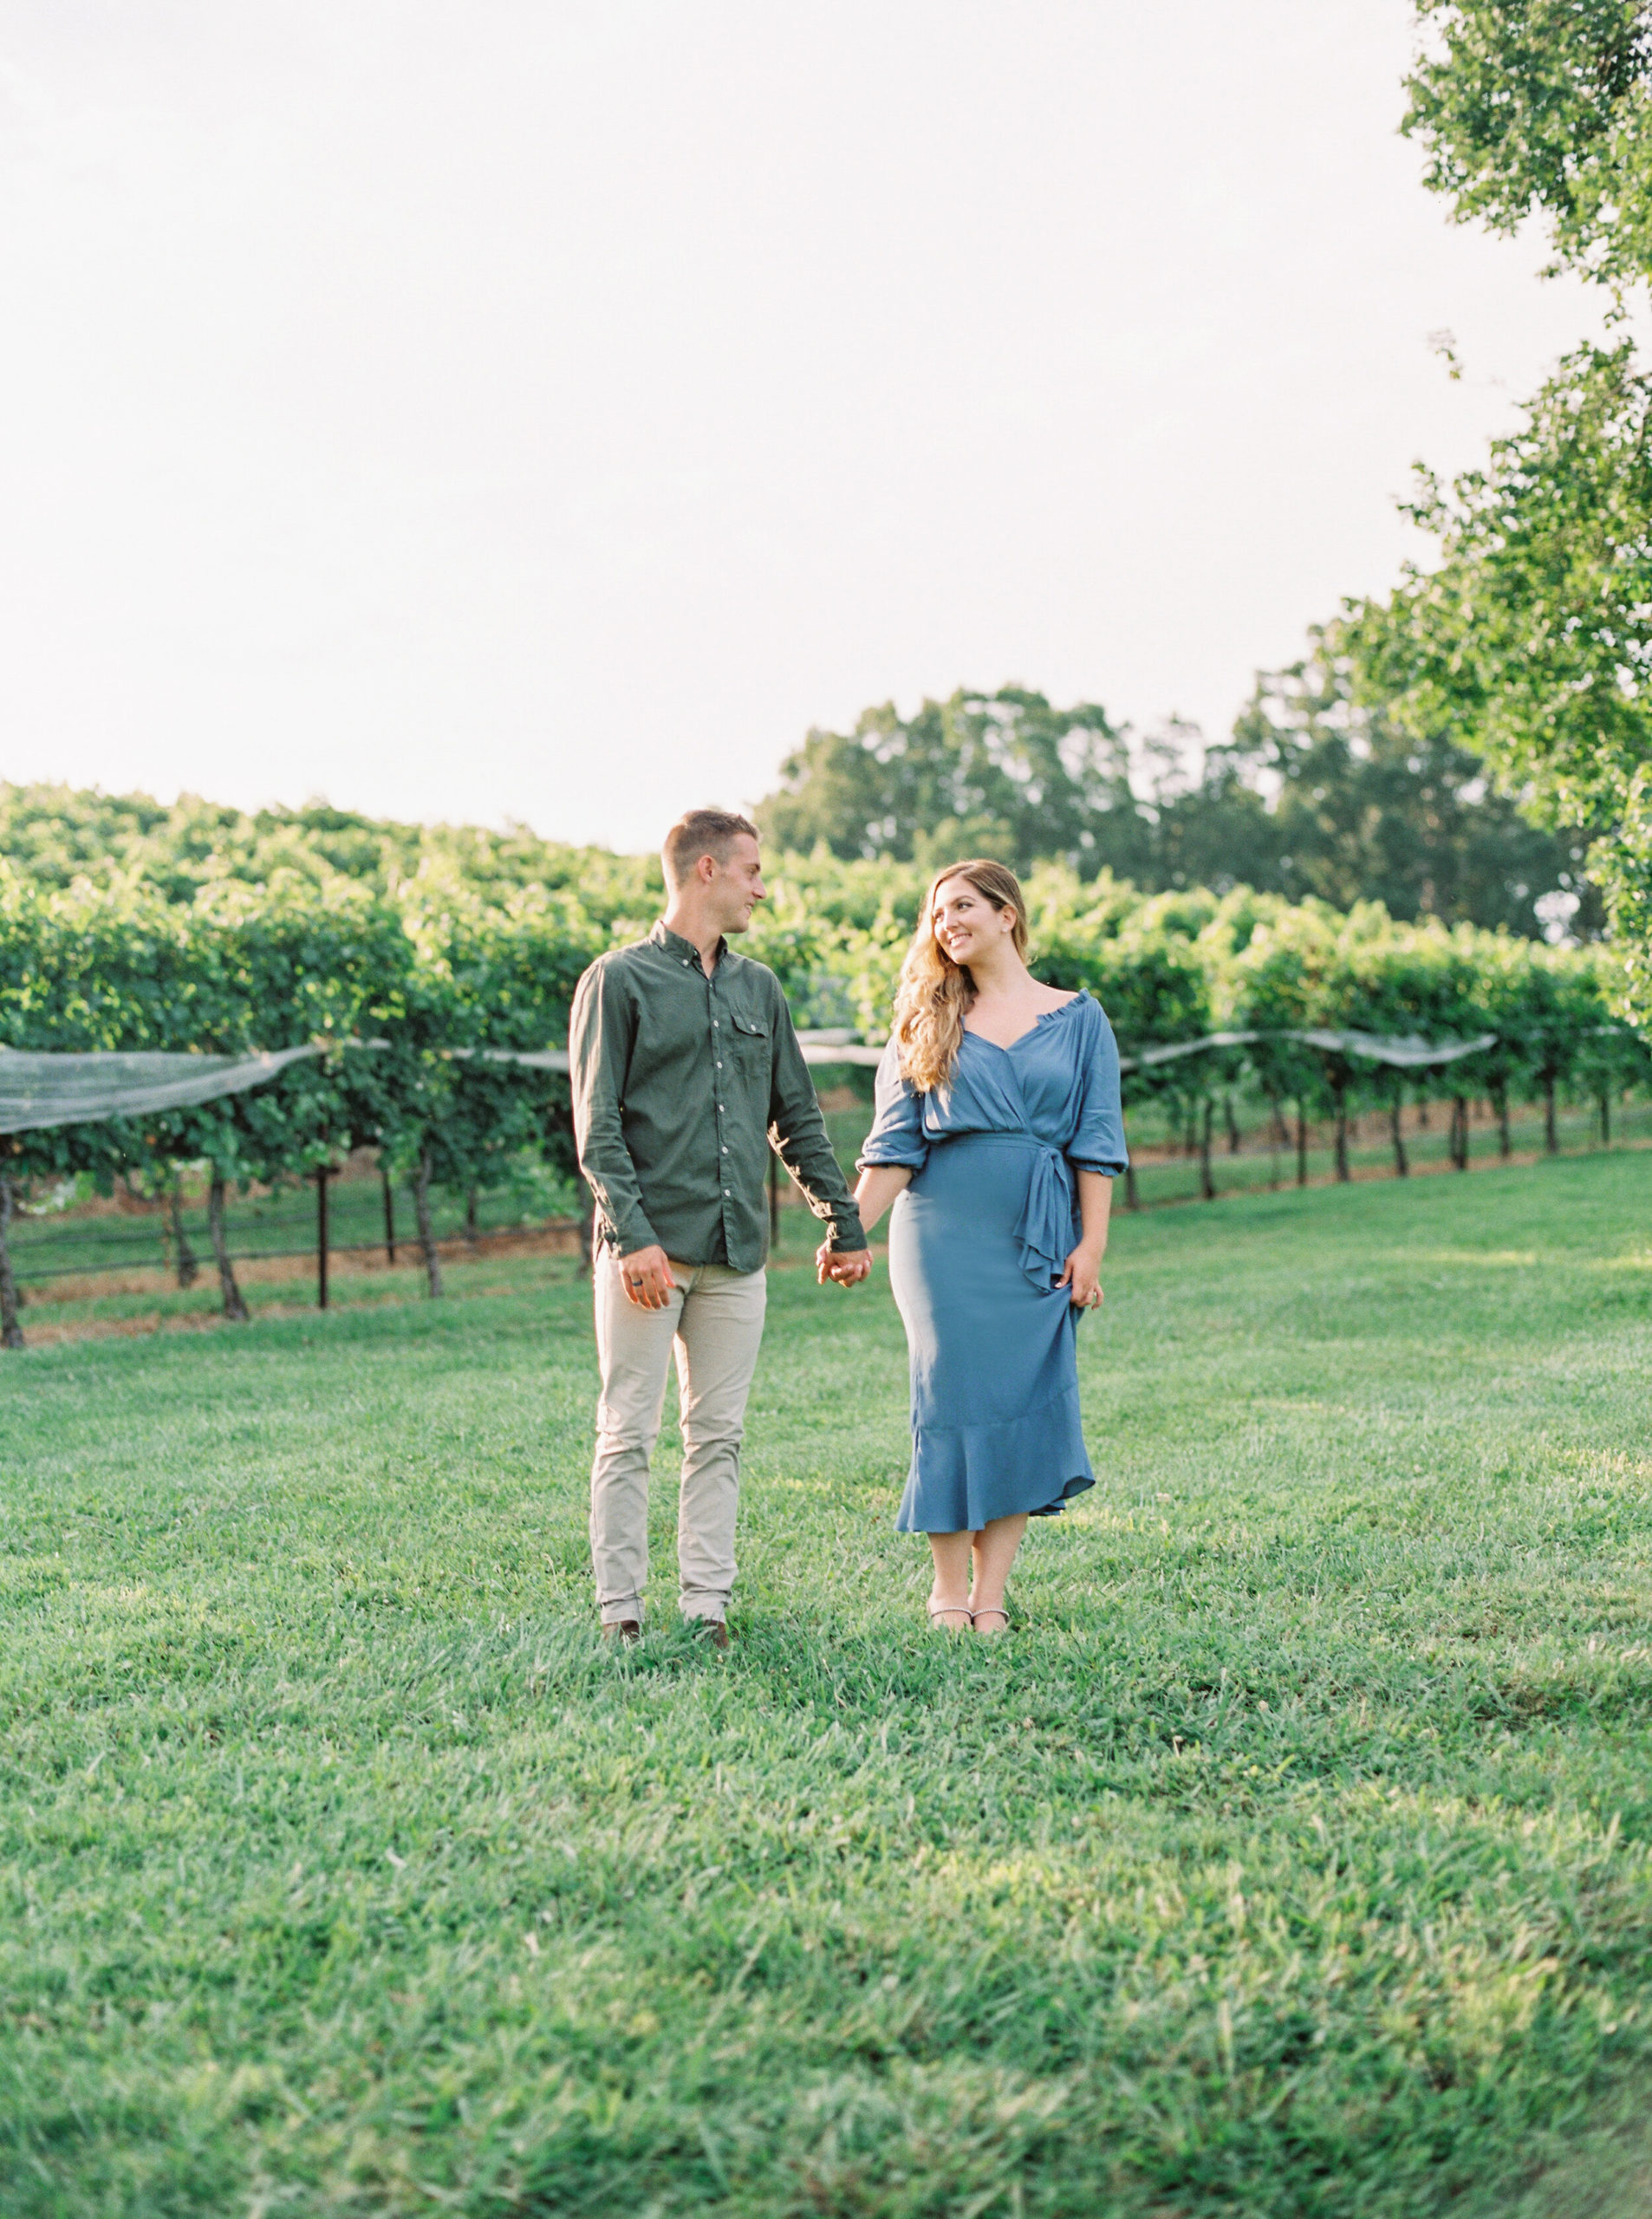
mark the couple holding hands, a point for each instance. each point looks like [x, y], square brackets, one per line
[997, 1134]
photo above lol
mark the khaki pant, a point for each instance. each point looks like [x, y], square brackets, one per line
[715, 1320]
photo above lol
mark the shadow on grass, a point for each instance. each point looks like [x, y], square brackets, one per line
[1602, 2173]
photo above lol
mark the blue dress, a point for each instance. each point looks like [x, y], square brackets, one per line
[977, 1242]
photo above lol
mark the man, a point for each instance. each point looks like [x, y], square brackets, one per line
[684, 1062]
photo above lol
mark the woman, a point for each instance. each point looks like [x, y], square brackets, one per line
[997, 1137]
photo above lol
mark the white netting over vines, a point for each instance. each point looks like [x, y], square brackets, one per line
[40, 1090]
[1407, 1052]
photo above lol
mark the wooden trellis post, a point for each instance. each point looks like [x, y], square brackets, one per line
[321, 1178]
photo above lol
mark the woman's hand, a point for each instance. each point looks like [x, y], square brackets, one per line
[1085, 1265]
[849, 1266]
[1082, 1275]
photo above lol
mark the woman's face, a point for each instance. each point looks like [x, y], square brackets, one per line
[965, 922]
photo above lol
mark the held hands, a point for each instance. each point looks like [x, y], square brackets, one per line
[1083, 1274]
[846, 1266]
[646, 1277]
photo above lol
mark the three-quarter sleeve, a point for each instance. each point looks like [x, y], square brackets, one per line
[897, 1134]
[1098, 1143]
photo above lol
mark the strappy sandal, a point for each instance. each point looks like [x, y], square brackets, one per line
[938, 1610]
[991, 1610]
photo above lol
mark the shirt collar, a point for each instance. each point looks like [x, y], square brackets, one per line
[685, 950]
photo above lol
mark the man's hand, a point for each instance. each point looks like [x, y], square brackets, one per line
[849, 1266]
[646, 1279]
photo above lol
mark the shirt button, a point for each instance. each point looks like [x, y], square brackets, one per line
[726, 1151]
[719, 1068]
[725, 1190]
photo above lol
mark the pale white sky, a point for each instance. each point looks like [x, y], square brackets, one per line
[521, 408]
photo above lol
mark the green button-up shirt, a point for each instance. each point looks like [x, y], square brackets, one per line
[680, 1083]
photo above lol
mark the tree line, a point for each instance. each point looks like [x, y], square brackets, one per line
[1316, 793]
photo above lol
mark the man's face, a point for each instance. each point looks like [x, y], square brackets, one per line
[738, 887]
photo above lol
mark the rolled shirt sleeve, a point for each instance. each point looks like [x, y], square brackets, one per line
[897, 1134]
[1098, 1144]
[601, 1034]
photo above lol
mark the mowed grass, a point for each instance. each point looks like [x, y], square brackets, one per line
[1291, 1857]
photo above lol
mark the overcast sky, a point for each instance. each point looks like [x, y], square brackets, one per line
[551, 411]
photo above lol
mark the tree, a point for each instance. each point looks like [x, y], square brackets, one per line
[1005, 774]
[1532, 635]
[1528, 105]
[1206, 821]
[1315, 794]
[1370, 806]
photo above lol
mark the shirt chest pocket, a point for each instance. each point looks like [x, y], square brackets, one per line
[750, 1036]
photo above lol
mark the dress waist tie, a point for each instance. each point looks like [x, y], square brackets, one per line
[1047, 1231]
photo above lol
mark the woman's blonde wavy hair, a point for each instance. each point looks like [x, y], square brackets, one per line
[933, 994]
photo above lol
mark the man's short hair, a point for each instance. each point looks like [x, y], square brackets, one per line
[703, 832]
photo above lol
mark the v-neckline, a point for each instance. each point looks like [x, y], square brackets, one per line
[1042, 1019]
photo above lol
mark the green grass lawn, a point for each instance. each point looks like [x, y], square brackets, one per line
[1291, 1857]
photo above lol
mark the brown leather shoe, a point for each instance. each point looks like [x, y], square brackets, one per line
[713, 1632]
[623, 1630]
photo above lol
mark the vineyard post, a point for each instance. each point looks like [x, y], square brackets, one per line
[234, 1303]
[321, 1177]
[774, 1199]
[174, 1237]
[389, 1217]
[427, 1236]
[10, 1331]
[1402, 1165]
